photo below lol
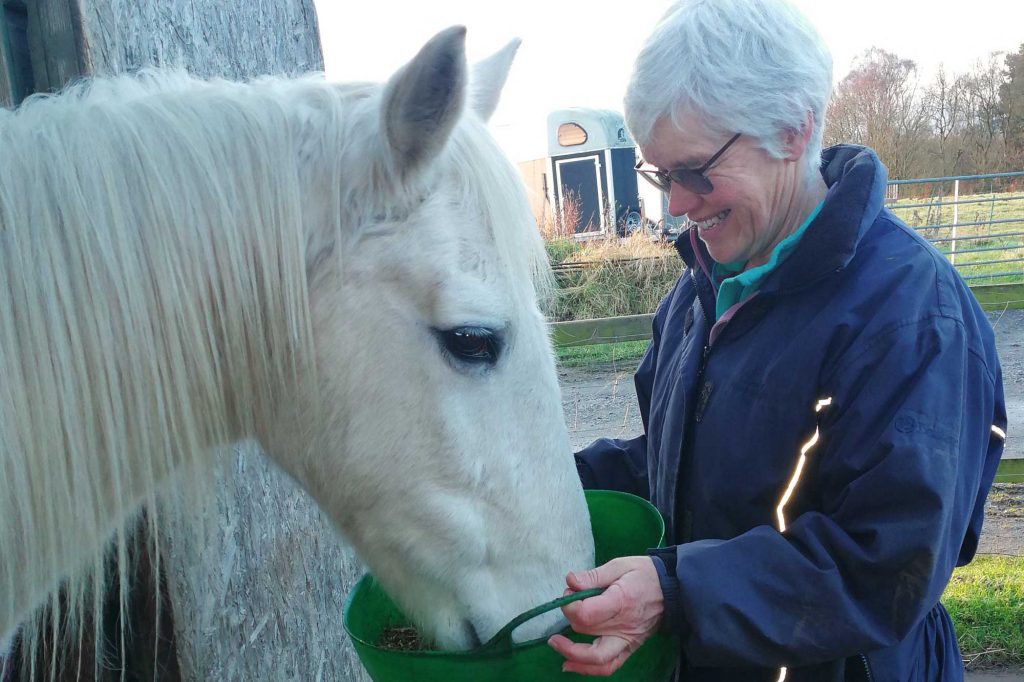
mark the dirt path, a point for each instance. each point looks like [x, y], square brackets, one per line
[600, 400]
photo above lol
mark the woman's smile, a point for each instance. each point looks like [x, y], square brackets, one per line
[709, 224]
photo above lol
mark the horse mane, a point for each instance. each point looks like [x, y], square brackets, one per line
[154, 292]
[497, 186]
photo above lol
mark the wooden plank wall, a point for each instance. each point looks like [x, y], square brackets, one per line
[6, 65]
[56, 43]
[13, 19]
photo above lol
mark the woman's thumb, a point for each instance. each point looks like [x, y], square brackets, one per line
[587, 580]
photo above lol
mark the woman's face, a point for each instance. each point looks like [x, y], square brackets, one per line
[749, 210]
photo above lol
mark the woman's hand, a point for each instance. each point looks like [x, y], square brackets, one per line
[623, 617]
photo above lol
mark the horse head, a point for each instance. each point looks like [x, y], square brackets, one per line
[436, 438]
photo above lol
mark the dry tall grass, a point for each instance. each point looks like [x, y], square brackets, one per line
[562, 225]
[638, 245]
[613, 277]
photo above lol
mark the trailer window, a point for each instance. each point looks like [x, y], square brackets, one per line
[571, 135]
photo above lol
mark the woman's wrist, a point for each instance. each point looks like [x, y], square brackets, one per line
[664, 559]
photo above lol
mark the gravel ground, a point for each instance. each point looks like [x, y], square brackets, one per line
[1003, 532]
[599, 400]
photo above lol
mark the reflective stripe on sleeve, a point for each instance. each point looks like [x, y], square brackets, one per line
[800, 462]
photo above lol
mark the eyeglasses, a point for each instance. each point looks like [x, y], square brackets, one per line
[692, 179]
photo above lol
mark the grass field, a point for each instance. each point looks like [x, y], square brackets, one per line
[624, 352]
[1000, 214]
[986, 601]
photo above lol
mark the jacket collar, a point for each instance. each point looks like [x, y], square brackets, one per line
[856, 181]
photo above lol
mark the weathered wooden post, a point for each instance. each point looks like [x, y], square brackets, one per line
[260, 596]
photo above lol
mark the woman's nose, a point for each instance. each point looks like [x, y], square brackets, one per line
[681, 200]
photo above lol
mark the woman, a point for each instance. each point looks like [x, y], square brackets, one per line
[822, 399]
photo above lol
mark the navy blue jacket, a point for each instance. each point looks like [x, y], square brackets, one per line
[867, 352]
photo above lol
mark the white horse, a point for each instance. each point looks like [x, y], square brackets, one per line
[347, 273]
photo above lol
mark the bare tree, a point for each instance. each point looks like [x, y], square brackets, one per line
[985, 116]
[877, 104]
[945, 108]
[1011, 98]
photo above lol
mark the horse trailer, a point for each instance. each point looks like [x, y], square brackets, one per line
[591, 158]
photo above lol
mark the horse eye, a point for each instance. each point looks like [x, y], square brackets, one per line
[471, 344]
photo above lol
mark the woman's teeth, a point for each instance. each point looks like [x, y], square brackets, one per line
[712, 221]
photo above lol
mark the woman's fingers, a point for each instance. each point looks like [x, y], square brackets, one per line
[623, 616]
[590, 615]
[632, 603]
[591, 612]
[603, 656]
[601, 576]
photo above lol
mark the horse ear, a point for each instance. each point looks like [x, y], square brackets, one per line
[488, 78]
[423, 101]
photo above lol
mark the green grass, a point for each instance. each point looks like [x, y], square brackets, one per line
[994, 207]
[986, 602]
[578, 356]
[560, 250]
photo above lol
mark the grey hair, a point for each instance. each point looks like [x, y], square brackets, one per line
[750, 66]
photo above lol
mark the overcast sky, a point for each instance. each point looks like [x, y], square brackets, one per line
[579, 52]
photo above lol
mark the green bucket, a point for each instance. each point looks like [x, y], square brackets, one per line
[623, 525]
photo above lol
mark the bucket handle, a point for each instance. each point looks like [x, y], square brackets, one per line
[502, 641]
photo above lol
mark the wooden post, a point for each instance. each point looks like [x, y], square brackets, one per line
[260, 596]
[235, 39]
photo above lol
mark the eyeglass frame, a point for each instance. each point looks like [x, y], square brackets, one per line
[692, 179]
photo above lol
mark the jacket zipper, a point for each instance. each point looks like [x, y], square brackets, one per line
[867, 669]
[704, 388]
[704, 314]
[684, 520]
[705, 392]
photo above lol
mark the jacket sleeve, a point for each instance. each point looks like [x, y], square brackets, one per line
[897, 481]
[621, 464]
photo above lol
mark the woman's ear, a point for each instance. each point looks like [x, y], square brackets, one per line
[795, 142]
